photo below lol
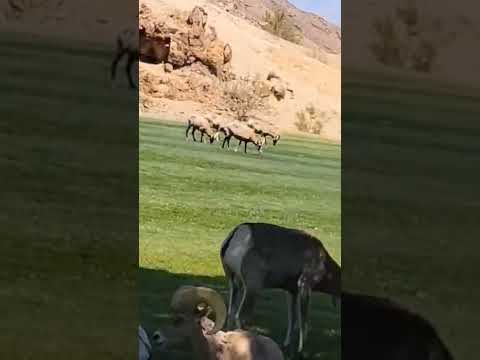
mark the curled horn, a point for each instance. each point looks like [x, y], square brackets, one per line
[187, 298]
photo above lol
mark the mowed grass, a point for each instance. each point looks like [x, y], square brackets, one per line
[69, 203]
[410, 199]
[191, 197]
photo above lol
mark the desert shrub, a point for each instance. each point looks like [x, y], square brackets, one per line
[404, 39]
[302, 122]
[311, 120]
[388, 48]
[241, 98]
[277, 23]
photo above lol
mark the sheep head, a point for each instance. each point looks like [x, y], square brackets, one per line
[327, 276]
[212, 135]
[275, 139]
[190, 304]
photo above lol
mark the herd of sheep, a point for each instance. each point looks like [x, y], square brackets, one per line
[258, 256]
[245, 132]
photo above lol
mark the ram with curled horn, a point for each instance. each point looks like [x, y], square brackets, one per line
[190, 308]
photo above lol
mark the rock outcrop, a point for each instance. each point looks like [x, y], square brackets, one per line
[182, 40]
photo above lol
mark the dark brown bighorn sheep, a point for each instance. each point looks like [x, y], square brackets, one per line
[190, 307]
[379, 329]
[257, 256]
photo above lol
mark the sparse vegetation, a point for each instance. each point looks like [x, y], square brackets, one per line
[311, 120]
[277, 23]
[389, 48]
[241, 97]
[406, 39]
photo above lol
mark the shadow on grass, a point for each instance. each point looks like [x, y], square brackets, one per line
[157, 286]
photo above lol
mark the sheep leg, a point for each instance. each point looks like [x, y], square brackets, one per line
[115, 62]
[193, 134]
[186, 132]
[252, 282]
[232, 300]
[238, 309]
[201, 138]
[249, 307]
[246, 142]
[131, 61]
[238, 145]
[299, 324]
[291, 299]
[305, 309]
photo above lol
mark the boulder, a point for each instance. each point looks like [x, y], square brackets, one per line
[184, 41]
[278, 90]
[168, 68]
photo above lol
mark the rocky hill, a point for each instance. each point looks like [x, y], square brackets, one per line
[214, 62]
[317, 32]
[286, 79]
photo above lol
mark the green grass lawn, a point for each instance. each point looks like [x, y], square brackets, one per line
[192, 195]
[410, 204]
[68, 249]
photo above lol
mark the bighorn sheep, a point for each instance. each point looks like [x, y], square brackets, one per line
[379, 329]
[243, 133]
[127, 44]
[264, 131]
[257, 256]
[203, 125]
[190, 307]
[144, 346]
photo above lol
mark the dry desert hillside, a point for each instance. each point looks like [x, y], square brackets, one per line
[307, 74]
[310, 74]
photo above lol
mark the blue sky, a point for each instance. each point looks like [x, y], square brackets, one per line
[329, 9]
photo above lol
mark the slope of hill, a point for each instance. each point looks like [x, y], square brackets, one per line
[317, 31]
[256, 52]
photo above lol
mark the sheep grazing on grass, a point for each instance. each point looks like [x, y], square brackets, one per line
[203, 125]
[144, 346]
[264, 131]
[257, 256]
[215, 123]
[190, 307]
[379, 329]
[127, 44]
[243, 133]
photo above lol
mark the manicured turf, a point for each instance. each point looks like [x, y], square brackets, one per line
[192, 195]
[68, 221]
[410, 205]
